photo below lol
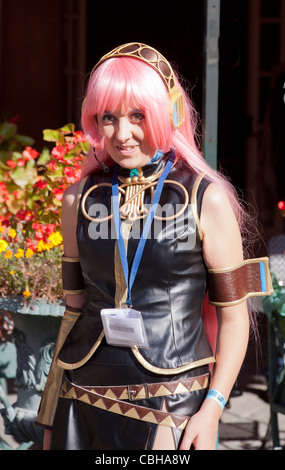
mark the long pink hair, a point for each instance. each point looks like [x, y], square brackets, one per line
[136, 84]
[133, 82]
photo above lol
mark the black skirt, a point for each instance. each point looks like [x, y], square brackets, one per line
[80, 426]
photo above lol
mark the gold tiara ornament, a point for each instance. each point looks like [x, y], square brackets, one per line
[156, 60]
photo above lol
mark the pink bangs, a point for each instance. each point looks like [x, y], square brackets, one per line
[136, 85]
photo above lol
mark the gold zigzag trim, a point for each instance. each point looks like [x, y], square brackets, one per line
[110, 402]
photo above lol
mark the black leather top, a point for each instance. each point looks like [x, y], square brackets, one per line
[170, 285]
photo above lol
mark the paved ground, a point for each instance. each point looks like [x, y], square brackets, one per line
[244, 423]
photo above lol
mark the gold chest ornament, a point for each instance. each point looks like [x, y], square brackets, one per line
[132, 197]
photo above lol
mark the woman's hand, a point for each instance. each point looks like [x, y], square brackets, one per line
[202, 429]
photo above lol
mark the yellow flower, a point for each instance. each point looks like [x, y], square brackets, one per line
[3, 245]
[26, 293]
[55, 238]
[12, 233]
[19, 254]
[44, 246]
[29, 253]
[8, 254]
[12, 272]
[1, 229]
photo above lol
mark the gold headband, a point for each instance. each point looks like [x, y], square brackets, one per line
[156, 60]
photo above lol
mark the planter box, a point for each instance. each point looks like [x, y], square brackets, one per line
[36, 326]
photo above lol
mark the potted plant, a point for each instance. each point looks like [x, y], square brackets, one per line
[32, 184]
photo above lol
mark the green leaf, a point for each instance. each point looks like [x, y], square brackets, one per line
[51, 135]
[24, 140]
[7, 130]
[68, 128]
[24, 176]
[17, 155]
[55, 175]
[44, 157]
[56, 202]
[85, 146]
[30, 164]
[4, 167]
[4, 155]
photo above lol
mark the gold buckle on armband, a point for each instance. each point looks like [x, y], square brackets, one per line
[231, 286]
[72, 279]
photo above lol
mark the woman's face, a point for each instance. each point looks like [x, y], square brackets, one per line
[125, 138]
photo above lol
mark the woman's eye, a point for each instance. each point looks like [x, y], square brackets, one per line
[108, 118]
[137, 117]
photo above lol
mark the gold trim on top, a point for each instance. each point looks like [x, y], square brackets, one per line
[71, 292]
[194, 204]
[70, 260]
[239, 265]
[68, 366]
[170, 371]
[239, 301]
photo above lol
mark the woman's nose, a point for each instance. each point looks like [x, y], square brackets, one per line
[123, 130]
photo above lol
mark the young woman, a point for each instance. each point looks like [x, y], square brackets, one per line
[149, 232]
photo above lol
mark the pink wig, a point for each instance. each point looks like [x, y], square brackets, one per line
[136, 84]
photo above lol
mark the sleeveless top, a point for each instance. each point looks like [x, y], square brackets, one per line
[171, 282]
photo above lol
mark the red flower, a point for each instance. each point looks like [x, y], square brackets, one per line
[41, 184]
[79, 136]
[58, 152]
[30, 244]
[5, 222]
[11, 163]
[4, 193]
[58, 192]
[72, 174]
[24, 215]
[21, 162]
[30, 154]
[48, 228]
[52, 166]
[42, 231]
[281, 205]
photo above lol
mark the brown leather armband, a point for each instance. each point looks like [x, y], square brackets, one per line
[72, 279]
[231, 286]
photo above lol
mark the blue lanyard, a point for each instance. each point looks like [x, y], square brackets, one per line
[130, 277]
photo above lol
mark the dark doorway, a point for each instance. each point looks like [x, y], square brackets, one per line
[178, 33]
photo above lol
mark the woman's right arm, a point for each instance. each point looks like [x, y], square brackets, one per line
[68, 224]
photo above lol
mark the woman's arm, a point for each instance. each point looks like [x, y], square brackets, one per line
[222, 247]
[68, 224]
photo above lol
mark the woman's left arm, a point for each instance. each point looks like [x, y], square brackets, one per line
[222, 248]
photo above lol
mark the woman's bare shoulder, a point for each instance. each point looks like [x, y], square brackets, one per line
[70, 194]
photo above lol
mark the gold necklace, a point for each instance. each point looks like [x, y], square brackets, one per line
[132, 197]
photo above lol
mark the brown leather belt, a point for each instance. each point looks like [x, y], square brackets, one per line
[110, 398]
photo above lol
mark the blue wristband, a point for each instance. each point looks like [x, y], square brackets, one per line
[217, 396]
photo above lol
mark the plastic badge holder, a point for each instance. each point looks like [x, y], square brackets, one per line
[124, 327]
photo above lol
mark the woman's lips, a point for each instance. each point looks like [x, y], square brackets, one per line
[127, 150]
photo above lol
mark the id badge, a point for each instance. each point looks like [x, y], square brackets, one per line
[124, 327]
